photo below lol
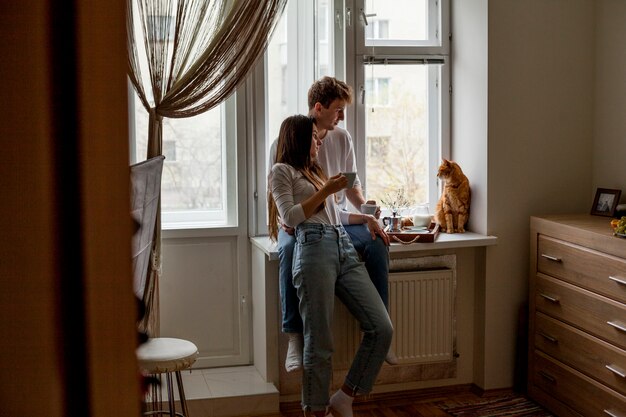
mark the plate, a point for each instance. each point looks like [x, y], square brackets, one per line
[621, 235]
[415, 229]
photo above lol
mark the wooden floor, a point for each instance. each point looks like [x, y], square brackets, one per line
[420, 403]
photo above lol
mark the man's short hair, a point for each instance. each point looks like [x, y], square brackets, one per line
[328, 89]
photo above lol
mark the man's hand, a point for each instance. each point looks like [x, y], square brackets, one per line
[375, 229]
[377, 214]
[289, 230]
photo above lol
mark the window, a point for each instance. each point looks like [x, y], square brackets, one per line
[169, 150]
[302, 49]
[399, 65]
[199, 180]
[194, 183]
[376, 90]
[377, 29]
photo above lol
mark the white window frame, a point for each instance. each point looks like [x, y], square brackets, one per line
[394, 51]
[300, 20]
[225, 217]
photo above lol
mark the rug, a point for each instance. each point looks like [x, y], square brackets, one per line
[509, 406]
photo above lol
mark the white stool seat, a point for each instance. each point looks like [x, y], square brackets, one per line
[166, 354]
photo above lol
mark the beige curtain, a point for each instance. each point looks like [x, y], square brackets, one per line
[186, 57]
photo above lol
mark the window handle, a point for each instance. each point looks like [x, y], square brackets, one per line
[362, 93]
[364, 16]
[348, 16]
[338, 18]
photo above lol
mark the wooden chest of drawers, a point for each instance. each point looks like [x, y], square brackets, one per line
[577, 306]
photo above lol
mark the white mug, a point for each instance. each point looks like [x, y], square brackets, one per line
[368, 208]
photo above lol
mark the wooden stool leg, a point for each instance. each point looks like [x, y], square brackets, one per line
[181, 393]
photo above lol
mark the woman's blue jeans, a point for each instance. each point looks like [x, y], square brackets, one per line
[374, 253]
[326, 264]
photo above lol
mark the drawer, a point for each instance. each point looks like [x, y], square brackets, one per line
[578, 391]
[593, 357]
[595, 314]
[595, 271]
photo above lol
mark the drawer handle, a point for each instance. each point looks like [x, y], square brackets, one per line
[549, 298]
[611, 413]
[618, 280]
[548, 376]
[548, 337]
[618, 326]
[551, 258]
[616, 370]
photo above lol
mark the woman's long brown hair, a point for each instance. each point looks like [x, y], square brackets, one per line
[294, 148]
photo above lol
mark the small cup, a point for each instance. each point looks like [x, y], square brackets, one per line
[351, 176]
[368, 208]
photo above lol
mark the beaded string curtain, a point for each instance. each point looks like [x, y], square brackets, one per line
[184, 58]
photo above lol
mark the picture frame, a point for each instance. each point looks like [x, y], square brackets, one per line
[605, 202]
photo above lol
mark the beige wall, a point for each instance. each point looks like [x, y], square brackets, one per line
[609, 149]
[534, 137]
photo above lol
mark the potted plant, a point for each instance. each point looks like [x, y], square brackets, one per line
[395, 201]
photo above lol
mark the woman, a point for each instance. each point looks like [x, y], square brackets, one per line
[325, 264]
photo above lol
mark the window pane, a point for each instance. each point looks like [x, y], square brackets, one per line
[277, 82]
[406, 20]
[324, 50]
[193, 180]
[396, 155]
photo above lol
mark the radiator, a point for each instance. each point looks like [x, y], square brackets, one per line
[421, 307]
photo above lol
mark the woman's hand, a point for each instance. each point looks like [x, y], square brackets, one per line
[335, 183]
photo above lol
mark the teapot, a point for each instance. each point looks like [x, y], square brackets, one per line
[394, 223]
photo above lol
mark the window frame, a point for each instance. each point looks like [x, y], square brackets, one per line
[358, 54]
[300, 19]
[225, 217]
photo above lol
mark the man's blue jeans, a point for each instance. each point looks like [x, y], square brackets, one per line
[326, 264]
[374, 253]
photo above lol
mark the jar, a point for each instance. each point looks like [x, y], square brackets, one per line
[421, 216]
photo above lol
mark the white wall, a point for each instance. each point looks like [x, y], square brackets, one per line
[469, 79]
[534, 156]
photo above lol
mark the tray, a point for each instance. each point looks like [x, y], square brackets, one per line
[409, 235]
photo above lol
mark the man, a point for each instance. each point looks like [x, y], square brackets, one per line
[327, 99]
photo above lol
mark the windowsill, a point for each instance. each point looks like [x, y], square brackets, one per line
[444, 241]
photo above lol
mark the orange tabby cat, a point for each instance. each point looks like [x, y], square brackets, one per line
[452, 209]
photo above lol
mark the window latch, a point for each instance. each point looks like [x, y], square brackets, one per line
[362, 93]
[364, 16]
